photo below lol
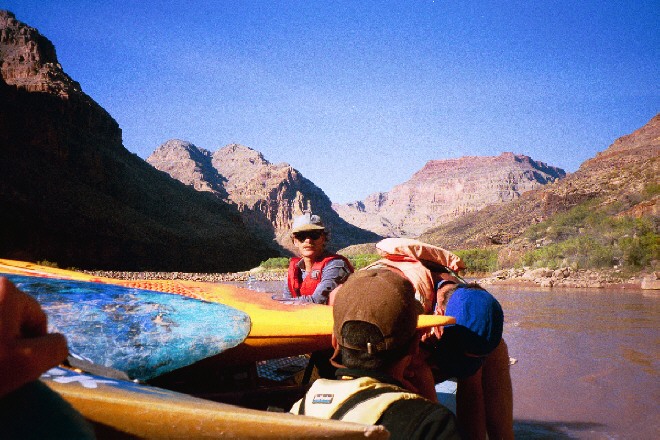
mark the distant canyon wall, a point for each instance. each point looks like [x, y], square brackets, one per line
[446, 189]
[268, 196]
[623, 180]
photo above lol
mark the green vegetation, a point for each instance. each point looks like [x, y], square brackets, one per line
[48, 264]
[479, 260]
[652, 189]
[358, 261]
[275, 263]
[362, 260]
[586, 237]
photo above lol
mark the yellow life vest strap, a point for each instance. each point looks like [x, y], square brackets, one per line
[361, 400]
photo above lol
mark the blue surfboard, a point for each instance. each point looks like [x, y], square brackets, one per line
[140, 332]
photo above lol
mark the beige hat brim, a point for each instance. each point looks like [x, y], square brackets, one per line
[307, 228]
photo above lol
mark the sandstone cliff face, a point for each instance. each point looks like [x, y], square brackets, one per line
[645, 141]
[190, 165]
[267, 195]
[446, 189]
[29, 60]
[616, 177]
[71, 193]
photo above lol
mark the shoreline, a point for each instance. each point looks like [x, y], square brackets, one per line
[226, 277]
[569, 278]
[525, 277]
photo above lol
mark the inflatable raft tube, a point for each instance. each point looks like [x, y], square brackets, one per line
[123, 409]
[278, 329]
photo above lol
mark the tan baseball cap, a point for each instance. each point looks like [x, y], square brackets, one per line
[307, 222]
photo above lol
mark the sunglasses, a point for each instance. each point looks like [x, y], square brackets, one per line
[313, 235]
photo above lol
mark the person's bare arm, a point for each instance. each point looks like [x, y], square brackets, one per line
[498, 394]
[470, 410]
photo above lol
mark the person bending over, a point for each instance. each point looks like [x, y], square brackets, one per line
[474, 353]
[375, 337]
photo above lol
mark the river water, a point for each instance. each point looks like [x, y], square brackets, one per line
[587, 361]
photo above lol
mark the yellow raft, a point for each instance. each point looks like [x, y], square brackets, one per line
[278, 329]
[122, 409]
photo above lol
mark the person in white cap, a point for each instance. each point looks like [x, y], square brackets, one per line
[316, 272]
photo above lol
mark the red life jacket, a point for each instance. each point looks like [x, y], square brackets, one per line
[298, 286]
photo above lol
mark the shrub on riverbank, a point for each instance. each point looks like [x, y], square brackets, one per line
[479, 261]
[588, 238]
[275, 263]
[363, 260]
[358, 261]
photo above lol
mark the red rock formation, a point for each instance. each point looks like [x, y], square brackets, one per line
[445, 189]
[646, 138]
[618, 178]
[267, 195]
[189, 165]
[29, 60]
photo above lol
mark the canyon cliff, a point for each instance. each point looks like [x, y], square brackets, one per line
[72, 194]
[446, 189]
[267, 195]
[621, 181]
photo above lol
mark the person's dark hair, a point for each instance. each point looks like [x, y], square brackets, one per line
[359, 333]
[450, 292]
[433, 266]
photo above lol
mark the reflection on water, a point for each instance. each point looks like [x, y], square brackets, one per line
[588, 361]
[540, 430]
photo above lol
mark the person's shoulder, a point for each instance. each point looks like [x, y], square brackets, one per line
[336, 260]
[421, 408]
[420, 419]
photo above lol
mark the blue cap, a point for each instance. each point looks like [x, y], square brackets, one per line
[479, 321]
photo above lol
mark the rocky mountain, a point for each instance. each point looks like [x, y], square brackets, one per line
[623, 180]
[71, 193]
[446, 189]
[267, 195]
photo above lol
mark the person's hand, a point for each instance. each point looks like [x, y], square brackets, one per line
[281, 297]
[291, 300]
[26, 348]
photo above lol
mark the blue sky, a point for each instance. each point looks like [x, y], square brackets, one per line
[359, 95]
